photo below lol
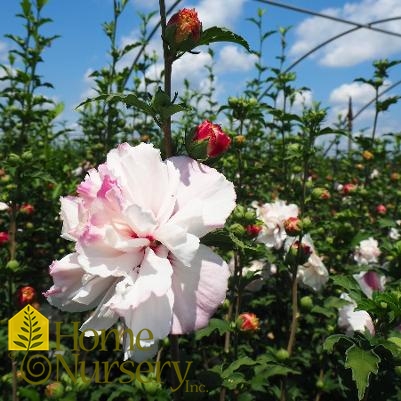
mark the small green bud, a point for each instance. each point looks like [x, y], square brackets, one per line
[282, 354]
[12, 264]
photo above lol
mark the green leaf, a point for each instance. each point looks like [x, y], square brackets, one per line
[214, 324]
[234, 380]
[331, 341]
[244, 361]
[26, 7]
[270, 370]
[29, 393]
[362, 363]
[130, 100]
[216, 34]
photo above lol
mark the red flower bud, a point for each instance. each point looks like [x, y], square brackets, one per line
[292, 226]
[348, 188]
[27, 208]
[186, 24]
[248, 322]
[218, 141]
[3, 237]
[253, 230]
[381, 209]
[298, 254]
[26, 295]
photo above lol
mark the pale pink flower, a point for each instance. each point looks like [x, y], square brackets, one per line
[367, 252]
[273, 216]
[394, 234]
[313, 273]
[370, 281]
[352, 320]
[260, 271]
[136, 224]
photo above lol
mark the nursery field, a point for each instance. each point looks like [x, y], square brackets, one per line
[179, 246]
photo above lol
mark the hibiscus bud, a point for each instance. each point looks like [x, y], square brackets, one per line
[208, 140]
[298, 254]
[253, 230]
[54, 390]
[248, 322]
[293, 226]
[26, 295]
[367, 155]
[348, 188]
[27, 208]
[321, 193]
[240, 139]
[381, 209]
[237, 229]
[3, 237]
[184, 29]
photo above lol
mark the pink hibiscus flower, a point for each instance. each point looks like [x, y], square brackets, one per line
[136, 223]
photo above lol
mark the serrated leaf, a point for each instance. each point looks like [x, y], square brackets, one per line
[270, 370]
[239, 243]
[216, 34]
[245, 361]
[34, 345]
[362, 363]
[321, 311]
[331, 341]
[214, 324]
[28, 393]
[233, 381]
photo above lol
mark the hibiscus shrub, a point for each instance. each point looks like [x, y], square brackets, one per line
[259, 252]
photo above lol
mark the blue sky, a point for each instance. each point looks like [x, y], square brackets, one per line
[82, 47]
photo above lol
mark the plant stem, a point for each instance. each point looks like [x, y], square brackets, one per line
[294, 320]
[168, 63]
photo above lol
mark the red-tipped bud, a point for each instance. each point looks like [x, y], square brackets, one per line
[298, 254]
[26, 295]
[248, 322]
[27, 208]
[293, 226]
[253, 230]
[54, 390]
[212, 136]
[184, 26]
[381, 209]
[348, 188]
[3, 237]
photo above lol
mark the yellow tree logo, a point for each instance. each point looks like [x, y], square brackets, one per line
[28, 330]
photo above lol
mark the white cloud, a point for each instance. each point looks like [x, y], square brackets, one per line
[232, 58]
[210, 12]
[3, 51]
[219, 12]
[89, 84]
[358, 91]
[358, 46]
